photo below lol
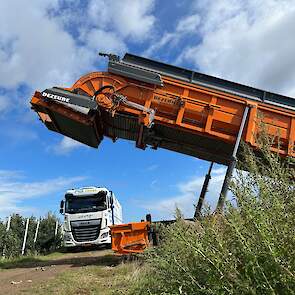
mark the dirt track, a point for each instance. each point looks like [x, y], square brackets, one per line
[21, 280]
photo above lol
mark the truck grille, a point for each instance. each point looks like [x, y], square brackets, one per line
[86, 230]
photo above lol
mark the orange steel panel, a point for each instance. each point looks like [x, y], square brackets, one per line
[130, 237]
[250, 129]
[291, 146]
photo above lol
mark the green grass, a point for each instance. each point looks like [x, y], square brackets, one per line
[93, 279]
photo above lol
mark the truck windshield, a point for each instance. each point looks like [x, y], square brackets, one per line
[76, 204]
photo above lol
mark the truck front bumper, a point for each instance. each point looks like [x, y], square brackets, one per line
[104, 238]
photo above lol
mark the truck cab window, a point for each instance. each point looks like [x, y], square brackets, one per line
[89, 203]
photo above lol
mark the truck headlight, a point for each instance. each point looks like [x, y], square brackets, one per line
[104, 235]
[67, 237]
[66, 226]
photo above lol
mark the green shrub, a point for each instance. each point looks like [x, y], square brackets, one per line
[11, 242]
[250, 249]
[14, 237]
[46, 241]
[2, 235]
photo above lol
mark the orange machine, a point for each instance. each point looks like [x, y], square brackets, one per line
[163, 106]
[130, 237]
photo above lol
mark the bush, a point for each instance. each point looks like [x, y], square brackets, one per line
[2, 234]
[14, 237]
[47, 242]
[11, 242]
[248, 250]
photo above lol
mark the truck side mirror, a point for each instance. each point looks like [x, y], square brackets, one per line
[111, 199]
[61, 209]
[112, 207]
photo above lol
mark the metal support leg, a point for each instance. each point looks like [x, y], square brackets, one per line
[203, 193]
[227, 178]
[232, 163]
[140, 138]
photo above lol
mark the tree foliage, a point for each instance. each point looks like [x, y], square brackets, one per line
[11, 241]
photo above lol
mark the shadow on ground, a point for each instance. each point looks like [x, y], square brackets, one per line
[73, 261]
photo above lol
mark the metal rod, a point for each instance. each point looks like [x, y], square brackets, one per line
[6, 233]
[36, 232]
[8, 224]
[203, 193]
[119, 98]
[56, 228]
[232, 164]
[25, 236]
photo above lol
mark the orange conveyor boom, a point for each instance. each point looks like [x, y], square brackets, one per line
[162, 106]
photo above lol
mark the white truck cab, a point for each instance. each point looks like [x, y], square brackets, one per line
[88, 213]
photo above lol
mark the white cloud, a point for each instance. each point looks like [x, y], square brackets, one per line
[66, 145]
[187, 196]
[14, 190]
[152, 167]
[14, 133]
[4, 104]
[7, 174]
[34, 49]
[100, 40]
[218, 171]
[130, 18]
[167, 38]
[247, 41]
[186, 25]
[154, 184]
[52, 43]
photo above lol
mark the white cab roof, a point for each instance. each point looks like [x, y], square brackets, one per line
[86, 190]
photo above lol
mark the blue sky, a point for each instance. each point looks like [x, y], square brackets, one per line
[53, 42]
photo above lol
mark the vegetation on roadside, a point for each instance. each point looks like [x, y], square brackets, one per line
[250, 249]
[11, 241]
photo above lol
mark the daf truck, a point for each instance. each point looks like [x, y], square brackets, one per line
[88, 213]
